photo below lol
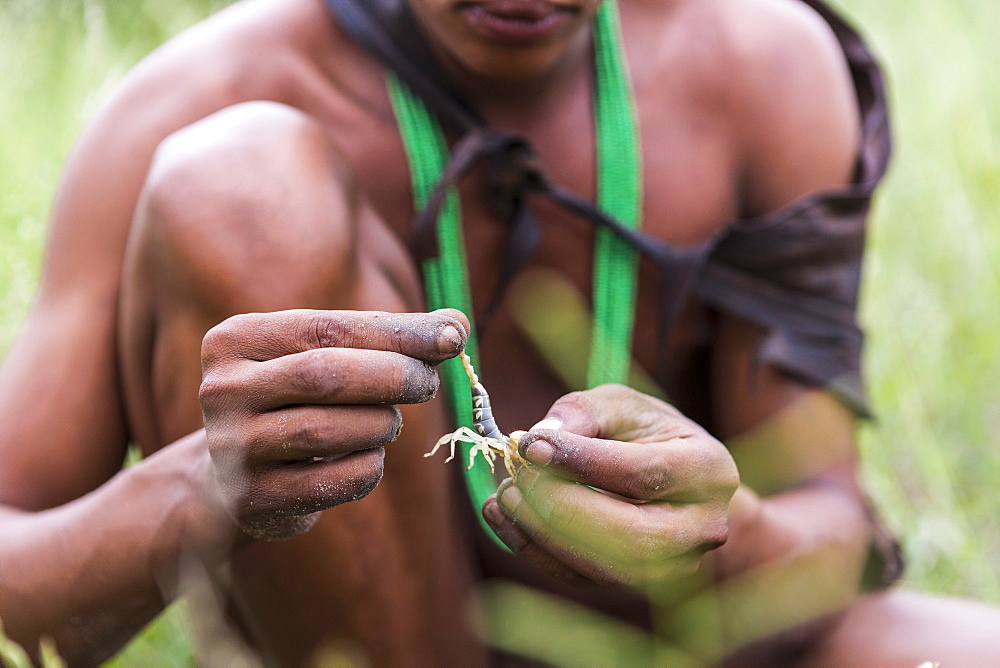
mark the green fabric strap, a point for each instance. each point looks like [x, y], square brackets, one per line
[615, 263]
[619, 193]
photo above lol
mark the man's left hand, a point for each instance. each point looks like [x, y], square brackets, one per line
[622, 489]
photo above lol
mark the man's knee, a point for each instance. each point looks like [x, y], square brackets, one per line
[255, 202]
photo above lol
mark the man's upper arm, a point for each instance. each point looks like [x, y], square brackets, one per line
[781, 433]
[802, 134]
[798, 111]
[63, 431]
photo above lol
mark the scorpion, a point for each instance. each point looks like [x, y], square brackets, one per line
[487, 439]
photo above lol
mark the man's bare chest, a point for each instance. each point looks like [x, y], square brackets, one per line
[689, 194]
[689, 191]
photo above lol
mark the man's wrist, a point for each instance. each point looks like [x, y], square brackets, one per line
[193, 518]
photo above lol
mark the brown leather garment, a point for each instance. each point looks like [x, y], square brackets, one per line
[796, 271]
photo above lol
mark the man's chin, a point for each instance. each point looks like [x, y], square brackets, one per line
[512, 66]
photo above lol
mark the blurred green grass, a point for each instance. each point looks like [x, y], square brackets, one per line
[931, 295]
[931, 300]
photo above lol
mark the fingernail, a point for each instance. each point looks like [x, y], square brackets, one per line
[548, 423]
[492, 513]
[539, 452]
[449, 339]
[510, 498]
[526, 478]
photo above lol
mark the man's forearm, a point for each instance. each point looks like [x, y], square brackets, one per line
[790, 558]
[93, 572]
[818, 515]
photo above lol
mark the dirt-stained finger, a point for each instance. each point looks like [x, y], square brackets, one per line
[631, 444]
[339, 376]
[269, 496]
[522, 545]
[431, 337]
[298, 433]
[624, 531]
[603, 543]
[683, 469]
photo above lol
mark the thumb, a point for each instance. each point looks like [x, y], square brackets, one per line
[588, 412]
[609, 411]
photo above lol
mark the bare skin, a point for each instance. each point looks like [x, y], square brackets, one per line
[252, 166]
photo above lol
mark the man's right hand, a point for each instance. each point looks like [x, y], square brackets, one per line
[299, 405]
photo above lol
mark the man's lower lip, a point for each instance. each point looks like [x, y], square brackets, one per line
[515, 28]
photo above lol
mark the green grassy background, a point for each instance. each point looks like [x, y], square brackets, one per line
[931, 299]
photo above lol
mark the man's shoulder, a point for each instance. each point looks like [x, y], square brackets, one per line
[743, 62]
[288, 51]
[230, 54]
[778, 77]
[771, 27]
[757, 47]
[768, 77]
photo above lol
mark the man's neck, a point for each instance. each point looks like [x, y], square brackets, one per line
[507, 102]
[501, 97]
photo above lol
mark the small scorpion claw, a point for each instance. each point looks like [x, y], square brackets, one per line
[487, 440]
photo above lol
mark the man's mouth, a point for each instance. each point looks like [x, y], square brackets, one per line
[516, 20]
